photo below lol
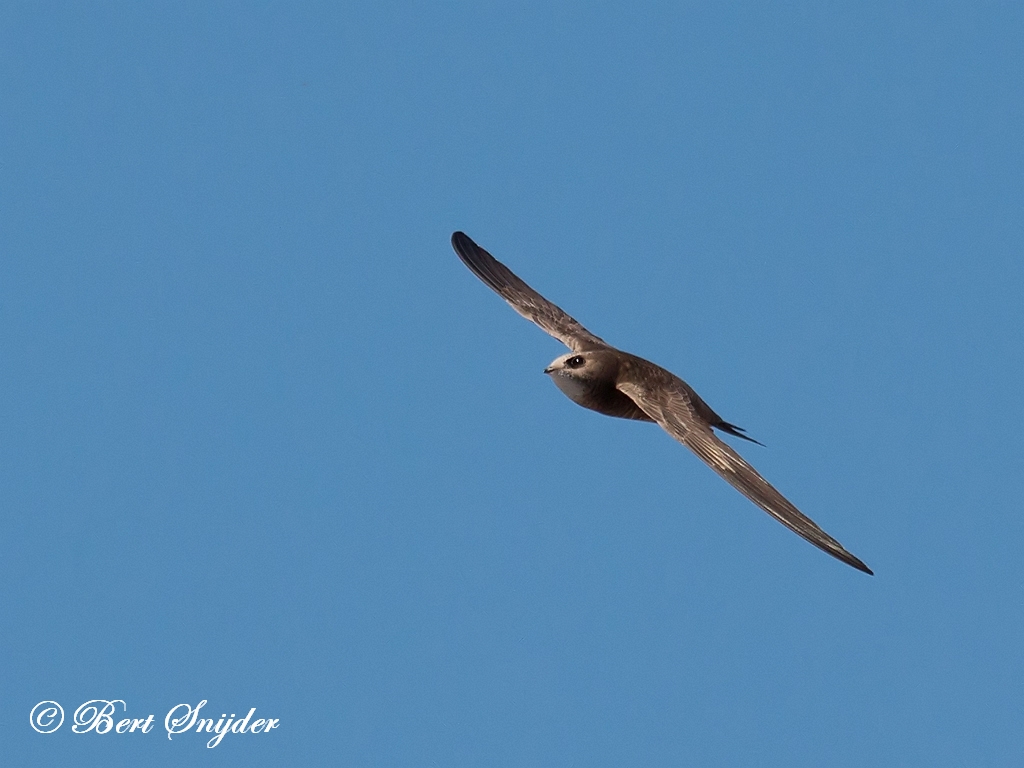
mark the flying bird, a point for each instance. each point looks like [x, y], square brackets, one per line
[600, 377]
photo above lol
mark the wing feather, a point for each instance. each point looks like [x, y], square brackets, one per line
[524, 300]
[671, 406]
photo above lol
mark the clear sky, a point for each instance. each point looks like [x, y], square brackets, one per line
[267, 443]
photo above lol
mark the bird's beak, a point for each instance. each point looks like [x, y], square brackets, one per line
[550, 369]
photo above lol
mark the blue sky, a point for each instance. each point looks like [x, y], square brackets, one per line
[267, 443]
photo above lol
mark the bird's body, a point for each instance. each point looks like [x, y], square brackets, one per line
[593, 384]
[602, 378]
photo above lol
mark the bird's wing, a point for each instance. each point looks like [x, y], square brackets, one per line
[670, 405]
[524, 300]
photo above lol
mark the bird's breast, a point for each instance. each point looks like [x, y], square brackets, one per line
[577, 390]
[602, 397]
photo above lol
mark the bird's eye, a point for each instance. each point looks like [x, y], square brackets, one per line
[575, 362]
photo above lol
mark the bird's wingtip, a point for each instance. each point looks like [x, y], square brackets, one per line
[859, 565]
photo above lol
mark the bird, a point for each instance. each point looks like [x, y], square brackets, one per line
[596, 375]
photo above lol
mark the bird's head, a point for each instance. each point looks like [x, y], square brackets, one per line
[595, 365]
